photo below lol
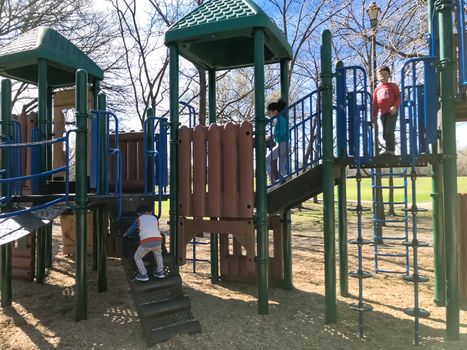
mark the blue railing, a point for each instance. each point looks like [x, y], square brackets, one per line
[103, 188]
[461, 37]
[354, 128]
[417, 116]
[302, 148]
[16, 159]
[192, 115]
[9, 180]
[155, 157]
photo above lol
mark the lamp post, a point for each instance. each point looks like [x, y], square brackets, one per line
[373, 12]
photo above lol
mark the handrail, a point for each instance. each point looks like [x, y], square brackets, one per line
[65, 168]
[191, 113]
[419, 135]
[109, 151]
[358, 123]
[155, 157]
[303, 119]
[462, 61]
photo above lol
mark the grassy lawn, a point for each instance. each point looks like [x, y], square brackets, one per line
[423, 188]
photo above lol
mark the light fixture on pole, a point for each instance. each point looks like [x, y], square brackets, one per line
[373, 12]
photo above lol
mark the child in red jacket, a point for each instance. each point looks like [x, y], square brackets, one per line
[386, 99]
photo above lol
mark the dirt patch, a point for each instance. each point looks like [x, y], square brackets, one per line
[42, 315]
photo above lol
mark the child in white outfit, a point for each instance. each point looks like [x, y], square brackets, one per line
[150, 241]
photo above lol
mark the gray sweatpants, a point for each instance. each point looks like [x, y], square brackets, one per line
[141, 253]
[389, 127]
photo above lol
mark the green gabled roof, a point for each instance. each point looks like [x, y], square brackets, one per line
[19, 58]
[219, 35]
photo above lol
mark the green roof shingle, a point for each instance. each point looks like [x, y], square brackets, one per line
[19, 58]
[219, 35]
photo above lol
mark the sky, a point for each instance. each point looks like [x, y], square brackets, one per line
[461, 128]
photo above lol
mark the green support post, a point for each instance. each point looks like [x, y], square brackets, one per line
[174, 123]
[213, 119]
[286, 217]
[149, 145]
[95, 223]
[102, 225]
[342, 222]
[81, 195]
[437, 200]
[48, 230]
[5, 249]
[438, 231]
[444, 8]
[328, 180]
[41, 246]
[261, 198]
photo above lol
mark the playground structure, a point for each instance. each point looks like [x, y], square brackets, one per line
[202, 203]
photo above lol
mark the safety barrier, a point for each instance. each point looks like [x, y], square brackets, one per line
[155, 157]
[114, 151]
[302, 148]
[36, 174]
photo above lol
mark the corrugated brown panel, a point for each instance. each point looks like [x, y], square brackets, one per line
[184, 171]
[23, 260]
[462, 229]
[132, 160]
[200, 135]
[215, 170]
[140, 158]
[230, 170]
[245, 170]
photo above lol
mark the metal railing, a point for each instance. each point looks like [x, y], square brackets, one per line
[103, 188]
[302, 148]
[155, 157]
[8, 179]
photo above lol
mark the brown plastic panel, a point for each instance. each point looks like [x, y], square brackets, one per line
[184, 170]
[230, 170]
[132, 159]
[199, 207]
[215, 170]
[245, 165]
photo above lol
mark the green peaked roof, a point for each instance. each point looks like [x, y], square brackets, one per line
[219, 35]
[19, 58]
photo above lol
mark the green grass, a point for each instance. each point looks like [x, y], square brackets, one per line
[423, 189]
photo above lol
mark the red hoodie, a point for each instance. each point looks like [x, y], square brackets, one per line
[385, 96]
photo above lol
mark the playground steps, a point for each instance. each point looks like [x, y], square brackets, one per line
[298, 189]
[163, 309]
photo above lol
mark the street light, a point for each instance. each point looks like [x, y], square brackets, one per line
[373, 12]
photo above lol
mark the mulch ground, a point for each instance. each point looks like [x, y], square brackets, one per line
[42, 315]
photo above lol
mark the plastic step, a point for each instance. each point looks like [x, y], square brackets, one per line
[154, 285]
[422, 313]
[361, 307]
[416, 278]
[415, 243]
[394, 255]
[163, 308]
[160, 295]
[164, 334]
[360, 274]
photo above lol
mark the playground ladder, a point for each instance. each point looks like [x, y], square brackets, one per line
[380, 223]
